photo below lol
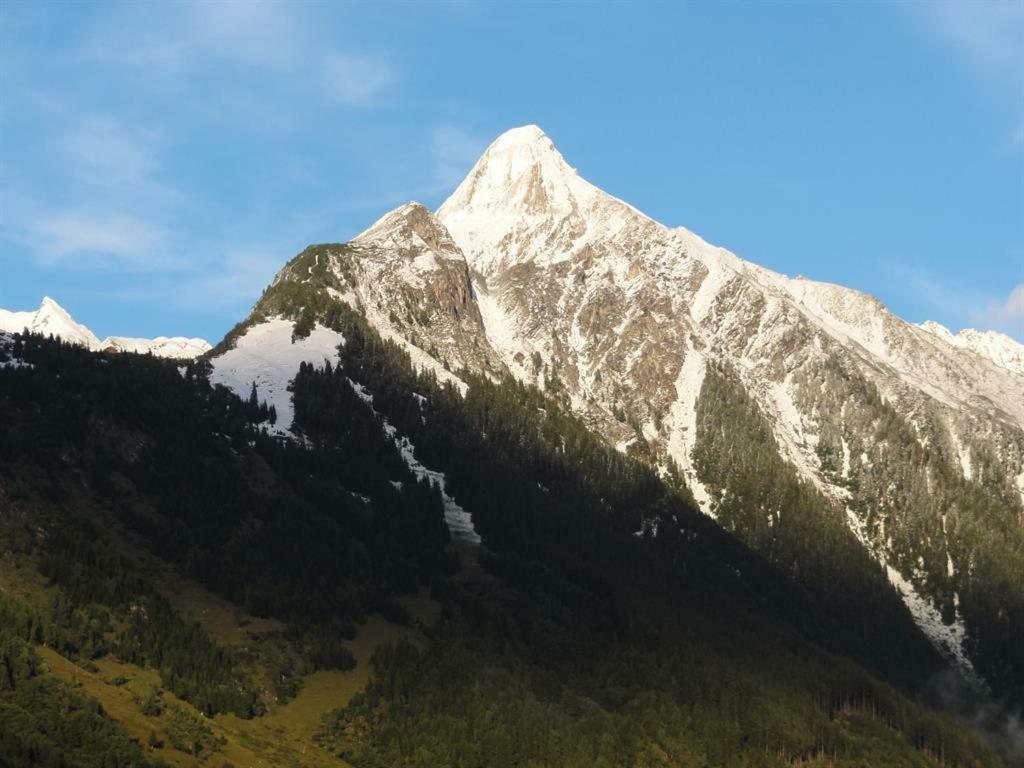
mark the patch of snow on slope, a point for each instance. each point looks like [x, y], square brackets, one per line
[498, 325]
[718, 275]
[458, 520]
[267, 356]
[796, 442]
[683, 436]
[947, 638]
[963, 452]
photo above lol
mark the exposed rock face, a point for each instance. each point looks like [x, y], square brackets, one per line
[409, 277]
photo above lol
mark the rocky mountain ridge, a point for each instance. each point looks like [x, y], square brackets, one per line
[916, 441]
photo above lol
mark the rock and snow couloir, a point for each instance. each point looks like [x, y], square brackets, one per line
[51, 319]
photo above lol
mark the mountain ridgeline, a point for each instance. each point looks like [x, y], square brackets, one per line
[698, 513]
[846, 446]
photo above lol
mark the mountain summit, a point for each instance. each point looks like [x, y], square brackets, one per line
[50, 319]
[522, 202]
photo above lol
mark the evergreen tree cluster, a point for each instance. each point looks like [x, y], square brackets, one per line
[317, 537]
[579, 647]
[578, 641]
[44, 722]
[960, 539]
[761, 498]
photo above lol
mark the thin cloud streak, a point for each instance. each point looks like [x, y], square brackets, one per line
[356, 80]
[96, 239]
[969, 308]
[986, 33]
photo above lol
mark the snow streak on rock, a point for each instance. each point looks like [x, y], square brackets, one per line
[947, 638]
[683, 436]
[458, 520]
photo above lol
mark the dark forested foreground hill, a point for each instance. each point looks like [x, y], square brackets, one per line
[603, 620]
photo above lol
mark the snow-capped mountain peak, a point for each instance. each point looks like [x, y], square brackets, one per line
[522, 202]
[51, 319]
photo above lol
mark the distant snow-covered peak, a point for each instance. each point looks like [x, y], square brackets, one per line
[161, 346]
[997, 347]
[51, 319]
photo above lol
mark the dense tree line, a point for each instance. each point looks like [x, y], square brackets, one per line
[959, 539]
[315, 536]
[761, 497]
[581, 650]
[581, 643]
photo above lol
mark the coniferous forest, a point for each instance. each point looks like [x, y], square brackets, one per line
[603, 621]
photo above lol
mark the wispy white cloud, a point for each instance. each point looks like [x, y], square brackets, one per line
[455, 150]
[357, 80]
[102, 150]
[120, 201]
[1005, 314]
[170, 41]
[267, 33]
[175, 47]
[986, 33]
[233, 281]
[95, 238]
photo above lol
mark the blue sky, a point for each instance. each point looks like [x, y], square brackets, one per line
[159, 162]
